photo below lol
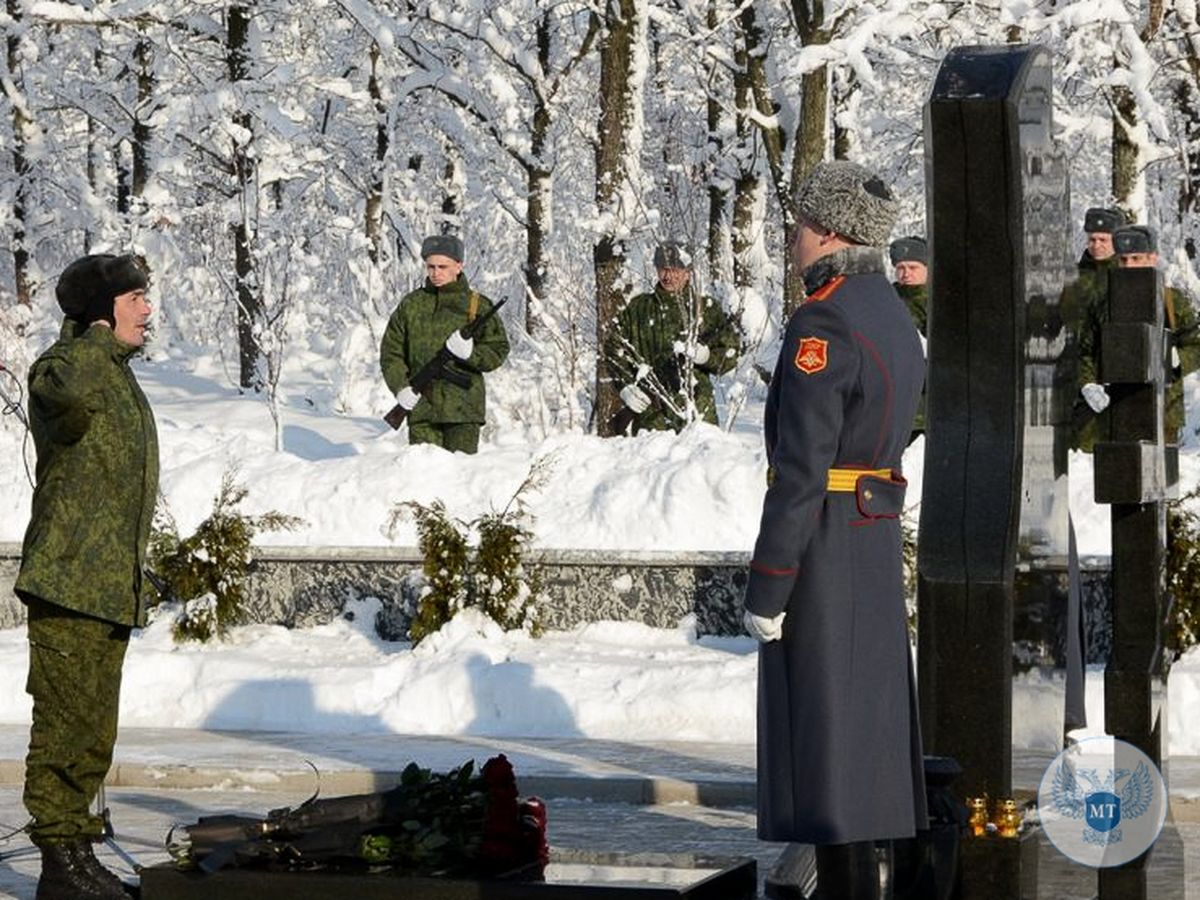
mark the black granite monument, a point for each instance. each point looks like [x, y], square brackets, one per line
[1133, 475]
[999, 661]
[994, 533]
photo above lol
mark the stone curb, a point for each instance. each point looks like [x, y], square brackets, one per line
[634, 790]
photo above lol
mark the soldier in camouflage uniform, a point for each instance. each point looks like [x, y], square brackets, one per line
[666, 344]
[1079, 297]
[452, 410]
[1135, 246]
[910, 260]
[81, 564]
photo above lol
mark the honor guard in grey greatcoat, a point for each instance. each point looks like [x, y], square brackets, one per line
[839, 746]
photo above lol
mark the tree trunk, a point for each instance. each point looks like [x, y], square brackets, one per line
[718, 178]
[94, 152]
[843, 91]
[1124, 149]
[452, 191]
[613, 169]
[21, 126]
[373, 224]
[537, 186]
[812, 137]
[249, 306]
[756, 108]
[1126, 160]
[144, 57]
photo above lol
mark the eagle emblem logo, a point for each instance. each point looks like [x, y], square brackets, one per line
[1102, 799]
[812, 355]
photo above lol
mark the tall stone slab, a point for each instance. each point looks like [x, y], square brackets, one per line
[994, 532]
[1132, 473]
[994, 512]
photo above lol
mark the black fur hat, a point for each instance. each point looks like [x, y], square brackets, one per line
[87, 287]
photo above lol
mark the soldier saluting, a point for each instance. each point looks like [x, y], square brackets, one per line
[81, 564]
[839, 746]
[452, 409]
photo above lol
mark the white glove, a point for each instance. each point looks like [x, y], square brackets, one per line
[459, 345]
[763, 629]
[635, 398]
[1175, 363]
[1096, 396]
[699, 354]
[407, 397]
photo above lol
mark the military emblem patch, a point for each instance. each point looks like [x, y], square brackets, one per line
[813, 355]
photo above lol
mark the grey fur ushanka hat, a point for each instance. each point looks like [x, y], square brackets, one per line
[850, 200]
[442, 245]
[1134, 239]
[909, 249]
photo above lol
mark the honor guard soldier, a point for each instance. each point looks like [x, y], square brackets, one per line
[452, 410]
[1136, 247]
[910, 261]
[1088, 290]
[839, 745]
[668, 343]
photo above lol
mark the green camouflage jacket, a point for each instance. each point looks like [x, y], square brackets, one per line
[1179, 319]
[419, 328]
[915, 297]
[645, 334]
[97, 478]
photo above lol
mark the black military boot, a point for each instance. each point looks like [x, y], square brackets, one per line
[102, 874]
[847, 871]
[67, 874]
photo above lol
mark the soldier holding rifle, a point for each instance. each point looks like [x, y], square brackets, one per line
[666, 344]
[449, 410]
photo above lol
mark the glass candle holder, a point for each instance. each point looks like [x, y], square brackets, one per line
[977, 807]
[1008, 818]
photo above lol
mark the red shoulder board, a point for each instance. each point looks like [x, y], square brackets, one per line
[825, 291]
[813, 355]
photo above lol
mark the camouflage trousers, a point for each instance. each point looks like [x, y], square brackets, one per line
[75, 682]
[462, 437]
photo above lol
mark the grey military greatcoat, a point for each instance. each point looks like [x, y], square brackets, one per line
[839, 748]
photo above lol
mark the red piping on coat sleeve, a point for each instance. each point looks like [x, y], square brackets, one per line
[765, 570]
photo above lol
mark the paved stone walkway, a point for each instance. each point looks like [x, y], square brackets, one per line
[603, 795]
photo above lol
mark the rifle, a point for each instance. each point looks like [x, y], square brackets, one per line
[438, 367]
[667, 380]
[667, 376]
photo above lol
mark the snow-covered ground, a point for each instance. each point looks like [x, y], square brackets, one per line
[700, 490]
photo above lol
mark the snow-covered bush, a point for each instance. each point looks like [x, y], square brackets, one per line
[1183, 574]
[490, 575]
[207, 570]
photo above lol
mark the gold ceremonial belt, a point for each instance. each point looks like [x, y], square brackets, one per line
[847, 479]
